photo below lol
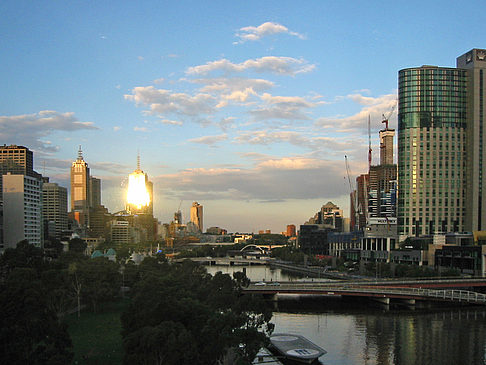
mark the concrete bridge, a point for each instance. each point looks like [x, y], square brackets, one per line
[226, 261]
[383, 293]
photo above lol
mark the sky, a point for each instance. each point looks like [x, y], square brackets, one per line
[247, 107]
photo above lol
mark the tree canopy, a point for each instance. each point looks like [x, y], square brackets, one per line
[179, 314]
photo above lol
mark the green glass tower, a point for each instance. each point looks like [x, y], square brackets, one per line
[432, 124]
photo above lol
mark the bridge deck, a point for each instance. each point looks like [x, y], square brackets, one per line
[349, 289]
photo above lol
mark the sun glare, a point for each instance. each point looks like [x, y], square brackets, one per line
[137, 193]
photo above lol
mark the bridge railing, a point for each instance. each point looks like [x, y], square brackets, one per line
[448, 294]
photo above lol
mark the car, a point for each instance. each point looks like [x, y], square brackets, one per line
[261, 283]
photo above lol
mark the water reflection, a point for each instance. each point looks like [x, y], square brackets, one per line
[354, 332]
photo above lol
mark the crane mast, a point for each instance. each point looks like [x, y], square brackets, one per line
[353, 193]
[369, 144]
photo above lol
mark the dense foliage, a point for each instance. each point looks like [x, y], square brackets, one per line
[179, 314]
[30, 332]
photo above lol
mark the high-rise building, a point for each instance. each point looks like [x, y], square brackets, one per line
[441, 147]
[16, 160]
[22, 210]
[140, 192]
[80, 192]
[291, 230]
[474, 62]
[54, 208]
[95, 192]
[360, 211]
[382, 188]
[197, 215]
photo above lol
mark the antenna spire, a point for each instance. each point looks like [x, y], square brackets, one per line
[80, 153]
[138, 160]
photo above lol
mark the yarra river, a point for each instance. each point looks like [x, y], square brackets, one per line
[356, 332]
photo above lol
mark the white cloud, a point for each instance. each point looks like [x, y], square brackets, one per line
[164, 102]
[30, 129]
[235, 90]
[171, 122]
[277, 179]
[373, 108]
[140, 129]
[209, 140]
[277, 65]
[266, 29]
[283, 107]
[264, 138]
[116, 128]
[159, 80]
[227, 123]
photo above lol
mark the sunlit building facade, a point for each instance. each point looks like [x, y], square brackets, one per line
[80, 193]
[432, 125]
[139, 193]
[22, 210]
[197, 215]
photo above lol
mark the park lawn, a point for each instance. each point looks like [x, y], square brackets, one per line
[96, 336]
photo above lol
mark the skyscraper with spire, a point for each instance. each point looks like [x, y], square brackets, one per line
[140, 192]
[80, 193]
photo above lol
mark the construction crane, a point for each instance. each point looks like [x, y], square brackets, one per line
[369, 144]
[352, 192]
[388, 115]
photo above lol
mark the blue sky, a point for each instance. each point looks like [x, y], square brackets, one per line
[246, 107]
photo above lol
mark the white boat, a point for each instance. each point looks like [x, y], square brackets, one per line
[264, 356]
[296, 347]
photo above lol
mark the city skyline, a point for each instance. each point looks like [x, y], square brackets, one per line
[248, 112]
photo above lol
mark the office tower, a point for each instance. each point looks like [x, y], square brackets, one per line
[474, 64]
[54, 208]
[331, 215]
[197, 215]
[16, 160]
[22, 210]
[291, 230]
[80, 193]
[361, 201]
[140, 192]
[95, 192]
[432, 126]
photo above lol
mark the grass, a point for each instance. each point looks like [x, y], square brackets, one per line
[96, 336]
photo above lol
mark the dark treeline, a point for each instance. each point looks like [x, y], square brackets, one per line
[177, 313]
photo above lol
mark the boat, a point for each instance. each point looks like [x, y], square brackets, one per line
[264, 356]
[296, 347]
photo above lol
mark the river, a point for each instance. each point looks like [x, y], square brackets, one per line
[355, 332]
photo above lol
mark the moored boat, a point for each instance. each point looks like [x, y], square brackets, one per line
[296, 347]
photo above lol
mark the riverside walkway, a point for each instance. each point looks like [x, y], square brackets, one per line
[372, 290]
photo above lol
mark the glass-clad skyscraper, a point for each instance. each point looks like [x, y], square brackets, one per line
[432, 122]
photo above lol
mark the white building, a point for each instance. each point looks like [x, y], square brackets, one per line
[22, 210]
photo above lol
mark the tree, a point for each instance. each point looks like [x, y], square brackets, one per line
[29, 330]
[77, 245]
[98, 281]
[24, 255]
[209, 313]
